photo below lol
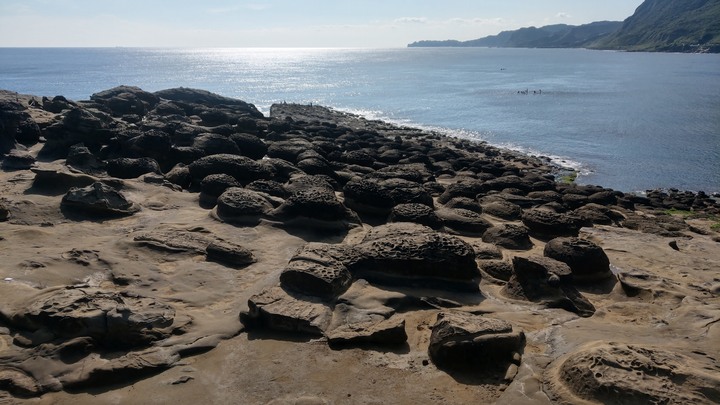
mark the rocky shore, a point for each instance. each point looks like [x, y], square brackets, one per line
[179, 246]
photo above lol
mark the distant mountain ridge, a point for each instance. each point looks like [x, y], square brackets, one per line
[656, 25]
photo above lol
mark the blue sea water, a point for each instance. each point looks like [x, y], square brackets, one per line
[630, 121]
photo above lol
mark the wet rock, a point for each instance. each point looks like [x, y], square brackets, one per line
[98, 199]
[462, 341]
[416, 213]
[546, 223]
[129, 168]
[508, 236]
[546, 281]
[622, 373]
[587, 260]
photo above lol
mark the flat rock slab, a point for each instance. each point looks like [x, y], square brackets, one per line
[98, 199]
[277, 310]
[620, 373]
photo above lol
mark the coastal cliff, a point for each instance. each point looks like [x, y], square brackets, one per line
[656, 26]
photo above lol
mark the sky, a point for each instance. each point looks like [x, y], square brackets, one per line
[283, 23]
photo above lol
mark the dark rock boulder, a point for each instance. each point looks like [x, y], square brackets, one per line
[587, 260]
[416, 254]
[465, 203]
[208, 99]
[502, 209]
[243, 169]
[270, 187]
[16, 125]
[508, 236]
[595, 214]
[98, 199]
[18, 160]
[238, 205]
[499, 269]
[464, 222]
[414, 172]
[77, 126]
[367, 197]
[548, 224]
[80, 157]
[125, 100]
[213, 144]
[378, 196]
[250, 145]
[462, 341]
[213, 186]
[179, 175]
[315, 207]
[289, 149]
[466, 188]
[546, 281]
[314, 271]
[129, 168]
[416, 213]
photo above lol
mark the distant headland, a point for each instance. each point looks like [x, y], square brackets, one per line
[656, 26]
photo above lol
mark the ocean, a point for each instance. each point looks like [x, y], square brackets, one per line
[630, 121]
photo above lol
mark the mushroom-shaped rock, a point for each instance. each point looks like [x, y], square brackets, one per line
[550, 224]
[379, 196]
[238, 205]
[462, 341]
[410, 253]
[508, 236]
[417, 213]
[98, 199]
[112, 319]
[547, 281]
[383, 332]
[216, 184]
[315, 271]
[587, 260]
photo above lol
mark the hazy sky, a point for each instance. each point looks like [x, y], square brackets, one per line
[283, 23]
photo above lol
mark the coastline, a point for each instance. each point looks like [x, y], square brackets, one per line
[314, 246]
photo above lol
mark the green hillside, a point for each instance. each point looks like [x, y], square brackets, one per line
[669, 26]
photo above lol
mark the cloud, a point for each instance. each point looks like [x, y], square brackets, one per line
[562, 15]
[411, 20]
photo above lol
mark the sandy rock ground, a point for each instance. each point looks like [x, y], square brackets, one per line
[654, 334]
